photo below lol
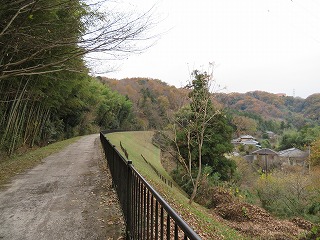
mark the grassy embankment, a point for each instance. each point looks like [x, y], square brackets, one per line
[10, 166]
[198, 217]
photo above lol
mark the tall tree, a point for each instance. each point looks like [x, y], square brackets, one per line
[202, 135]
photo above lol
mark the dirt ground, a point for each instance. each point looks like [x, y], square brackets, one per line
[68, 196]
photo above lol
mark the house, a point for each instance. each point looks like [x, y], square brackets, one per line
[245, 140]
[293, 156]
[246, 137]
[265, 151]
[266, 158]
[251, 142]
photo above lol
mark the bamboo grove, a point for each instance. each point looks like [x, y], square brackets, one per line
[46, 93]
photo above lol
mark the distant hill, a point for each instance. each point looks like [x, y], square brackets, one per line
[154, 101]
[292, 110]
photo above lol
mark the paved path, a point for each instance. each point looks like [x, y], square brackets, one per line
[68, 196]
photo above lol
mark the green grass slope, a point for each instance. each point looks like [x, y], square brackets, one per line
[198, 217]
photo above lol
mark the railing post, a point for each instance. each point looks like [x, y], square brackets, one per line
[129, 199]
[113, 162]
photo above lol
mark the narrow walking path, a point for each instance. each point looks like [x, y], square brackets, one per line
[68, 196]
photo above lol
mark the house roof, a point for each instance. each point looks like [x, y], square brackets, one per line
[292, 152]
[246, 137]
[265, 151]
[250, 142]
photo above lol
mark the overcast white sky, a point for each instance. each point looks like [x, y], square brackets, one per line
[269, 45]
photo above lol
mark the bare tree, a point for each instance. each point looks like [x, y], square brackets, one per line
[40, 36]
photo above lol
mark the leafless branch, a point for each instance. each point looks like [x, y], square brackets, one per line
[113, 33]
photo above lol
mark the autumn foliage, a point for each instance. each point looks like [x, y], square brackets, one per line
[315, 153]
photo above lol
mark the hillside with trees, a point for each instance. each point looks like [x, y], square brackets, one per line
[197, 152]
[154, 101]
[294, 120]
[270, 111]
[295, 112]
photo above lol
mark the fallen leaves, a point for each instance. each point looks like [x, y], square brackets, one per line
[255, 221]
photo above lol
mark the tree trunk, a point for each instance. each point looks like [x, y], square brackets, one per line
[196, 184]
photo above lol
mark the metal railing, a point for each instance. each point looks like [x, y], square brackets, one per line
[147, 214]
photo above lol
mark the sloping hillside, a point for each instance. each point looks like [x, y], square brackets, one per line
[296, 112]
[311, 107]
[261, 103]
[154, 101]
